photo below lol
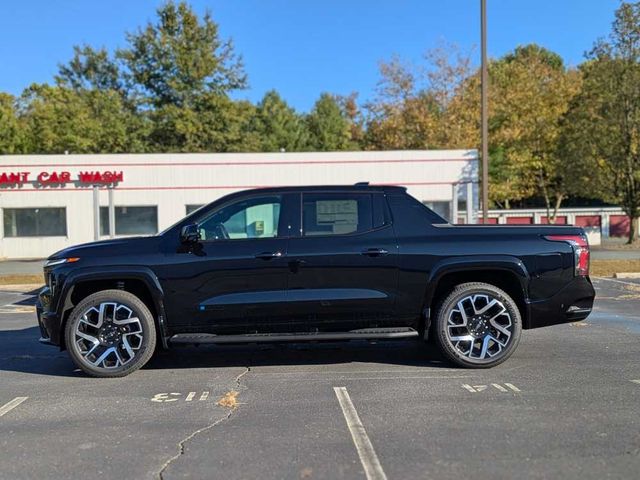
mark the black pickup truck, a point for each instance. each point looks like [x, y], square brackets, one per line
[313, 263]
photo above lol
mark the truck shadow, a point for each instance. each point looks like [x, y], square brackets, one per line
[21, 352]
[406, 353]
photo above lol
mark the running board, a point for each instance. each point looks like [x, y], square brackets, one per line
[364, 334]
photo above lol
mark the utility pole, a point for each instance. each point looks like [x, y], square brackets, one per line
[485, 112]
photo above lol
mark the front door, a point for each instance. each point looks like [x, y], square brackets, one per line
[343, 267]
[234, 279]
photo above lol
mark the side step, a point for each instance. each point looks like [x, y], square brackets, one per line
[364, 333]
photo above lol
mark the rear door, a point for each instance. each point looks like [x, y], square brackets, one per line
[343, 267]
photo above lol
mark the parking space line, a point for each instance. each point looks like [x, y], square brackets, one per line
[499, 387]
[615, 280]
[7, 407]
[636, 381]
[512, 387]
[372, 467]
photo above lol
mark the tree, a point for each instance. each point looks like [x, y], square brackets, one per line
[328, 126]
[59, 119]
[180, 58]
[90, 69]
[430, 106]
[214, 123]
[278, 126]
[603, 126]
[10, 128]
[531, 91]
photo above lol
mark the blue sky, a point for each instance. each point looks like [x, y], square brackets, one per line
[301, 48]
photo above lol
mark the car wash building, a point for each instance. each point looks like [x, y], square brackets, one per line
[49, 202]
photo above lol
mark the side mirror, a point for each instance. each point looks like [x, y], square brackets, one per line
[190, 233]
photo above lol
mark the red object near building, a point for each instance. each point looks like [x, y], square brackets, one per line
[588, 221]
[519, 220]
[559, 220]
[619, 226]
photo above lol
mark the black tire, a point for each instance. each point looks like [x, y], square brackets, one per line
[470, 294]
[145, 327]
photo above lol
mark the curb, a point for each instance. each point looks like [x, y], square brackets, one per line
[626, 275]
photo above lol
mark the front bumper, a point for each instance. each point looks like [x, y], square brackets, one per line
[572, 303]
[48, 321]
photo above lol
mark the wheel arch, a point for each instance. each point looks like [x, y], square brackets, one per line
[507, 273]
[141, 282]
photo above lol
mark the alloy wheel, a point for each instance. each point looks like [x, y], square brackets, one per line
[479, 327]
[108, 335]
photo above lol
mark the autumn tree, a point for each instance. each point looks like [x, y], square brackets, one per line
[603, 126]
[531, 91]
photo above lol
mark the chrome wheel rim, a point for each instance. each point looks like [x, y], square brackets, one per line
[480, 327]
[108, 335]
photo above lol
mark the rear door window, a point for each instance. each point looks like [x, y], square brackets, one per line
[336, 213]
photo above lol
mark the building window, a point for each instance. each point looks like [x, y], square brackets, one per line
[35, 222]
[336, 213]
[193, 208]
[131, 220]
[442, 208]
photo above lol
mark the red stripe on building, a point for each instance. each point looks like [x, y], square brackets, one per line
[236, 163]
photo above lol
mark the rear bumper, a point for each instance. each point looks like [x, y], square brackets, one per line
[572, 303]
[48, 321]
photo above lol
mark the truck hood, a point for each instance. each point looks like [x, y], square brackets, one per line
[105, 247]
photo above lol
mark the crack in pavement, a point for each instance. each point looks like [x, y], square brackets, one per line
[181, 443]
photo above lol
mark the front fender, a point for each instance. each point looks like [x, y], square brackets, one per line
[121, 272]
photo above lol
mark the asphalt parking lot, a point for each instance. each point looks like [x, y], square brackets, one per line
[566, 405]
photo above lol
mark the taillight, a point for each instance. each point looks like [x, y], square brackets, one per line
[580, 247]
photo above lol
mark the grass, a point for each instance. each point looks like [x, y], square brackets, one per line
[606, 268]
[20, 279]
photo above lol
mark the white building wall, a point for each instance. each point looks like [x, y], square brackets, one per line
[171, 181]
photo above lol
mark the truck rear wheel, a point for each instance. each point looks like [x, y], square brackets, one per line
[110, 333]
[477, 325]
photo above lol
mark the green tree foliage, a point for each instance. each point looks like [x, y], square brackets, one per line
[181, 57]
[90, 69]
[603, 126]
[329, 127]
[10, 128]
[278, 126]
[59, 119]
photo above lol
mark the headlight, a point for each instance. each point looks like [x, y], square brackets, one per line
[60, 261]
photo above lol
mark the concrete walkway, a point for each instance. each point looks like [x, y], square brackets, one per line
[21, 267]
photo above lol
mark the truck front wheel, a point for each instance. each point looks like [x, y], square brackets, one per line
[110, 333]
[477, 325]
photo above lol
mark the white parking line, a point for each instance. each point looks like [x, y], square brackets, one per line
[7, 407]
[368, 458]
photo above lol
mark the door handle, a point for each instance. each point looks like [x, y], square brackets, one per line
[268, 255]
[374, 252]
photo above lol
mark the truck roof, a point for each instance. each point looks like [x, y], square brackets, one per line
[358, 187]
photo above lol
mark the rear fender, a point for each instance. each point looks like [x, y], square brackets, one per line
[477, 263]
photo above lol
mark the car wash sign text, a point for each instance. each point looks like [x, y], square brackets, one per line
[60, 179]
